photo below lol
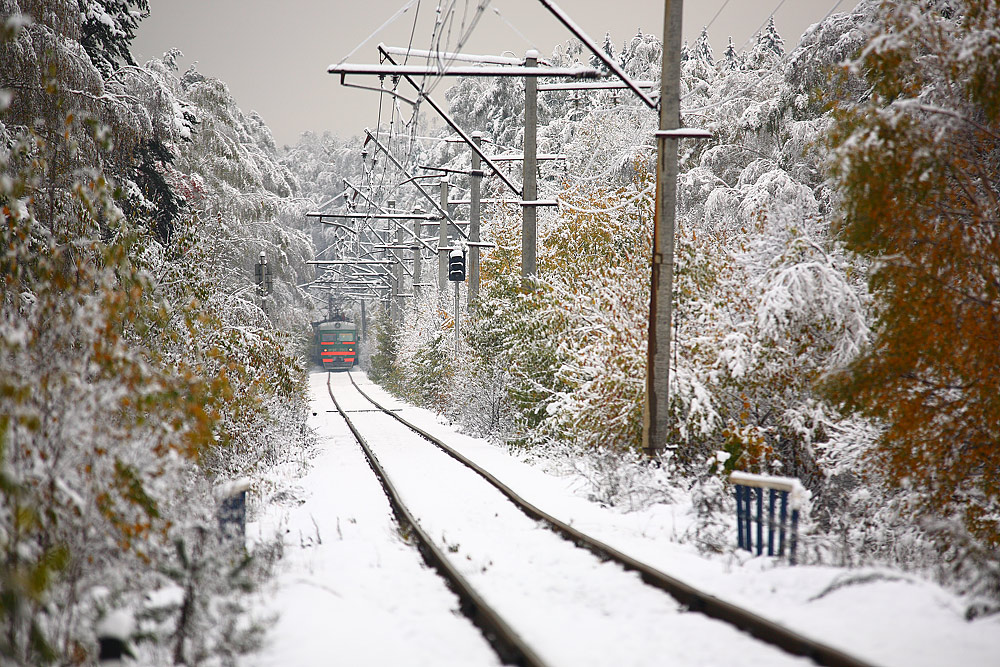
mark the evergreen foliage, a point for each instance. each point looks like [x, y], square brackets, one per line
[108, 29]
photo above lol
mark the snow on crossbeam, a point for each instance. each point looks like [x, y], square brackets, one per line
[433, 70]
[443, 55]
[602, 85]
[336, 262]
[685, 133]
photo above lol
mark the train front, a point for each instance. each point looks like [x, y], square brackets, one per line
[337, 345]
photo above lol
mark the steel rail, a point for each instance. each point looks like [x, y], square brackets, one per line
[504, 640]
[694, 599]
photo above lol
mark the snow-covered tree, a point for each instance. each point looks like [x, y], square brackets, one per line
[609, 48]
[730, 58]
[108, 29]
[134, 375]
[768, 50]
[916, 161]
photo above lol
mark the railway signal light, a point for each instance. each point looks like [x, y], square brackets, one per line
[263, 276]
[456, 266]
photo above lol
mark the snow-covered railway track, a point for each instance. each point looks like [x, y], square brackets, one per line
[578, 609]
[505, 641]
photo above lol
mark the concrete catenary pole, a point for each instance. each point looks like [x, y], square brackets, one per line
[529, 185]
[394, 277]
[364, 321]
[474, 219]
[397, 271]
[418, 255]
[458, 317]
[443, 239]
[656, 422]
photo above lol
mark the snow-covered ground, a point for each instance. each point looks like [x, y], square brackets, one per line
[351, 591]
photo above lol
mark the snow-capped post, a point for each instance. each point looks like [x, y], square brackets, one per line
[787, 491]
[443, 237]
[232, 514]
[394, 273]
[114, 633]
[529, 166]
[475, 180]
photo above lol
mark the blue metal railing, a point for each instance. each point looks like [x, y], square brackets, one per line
[784, 492]
[232, 512]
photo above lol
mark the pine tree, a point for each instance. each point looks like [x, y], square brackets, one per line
[702, 49]
[609, 48]
[108, 30]
[730, 58]
[699, 63]
[769, 49]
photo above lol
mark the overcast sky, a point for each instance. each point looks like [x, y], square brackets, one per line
[274, 55]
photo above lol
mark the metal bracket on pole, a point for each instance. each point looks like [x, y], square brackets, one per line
[684, 133]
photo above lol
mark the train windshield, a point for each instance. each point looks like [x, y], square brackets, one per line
[337, 337]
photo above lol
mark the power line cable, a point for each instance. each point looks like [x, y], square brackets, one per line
[496, 10]
[717, 14]
[413, 30]
[402, 10]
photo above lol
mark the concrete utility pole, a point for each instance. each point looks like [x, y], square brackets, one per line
[656, 413]
[418, 254]
[364, 321]
[529, 185]
[458, 317]
[395, 274]
[475, 181]
[443, 238]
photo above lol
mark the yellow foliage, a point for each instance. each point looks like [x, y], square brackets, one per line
[926, 212]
